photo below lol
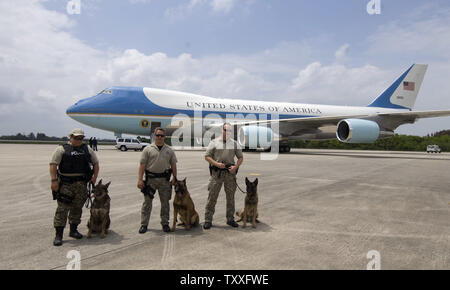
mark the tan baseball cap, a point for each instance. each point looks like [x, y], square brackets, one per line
[76, 132]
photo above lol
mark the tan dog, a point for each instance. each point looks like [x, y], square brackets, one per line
[250, 212]
[99, 220]
[183, 206]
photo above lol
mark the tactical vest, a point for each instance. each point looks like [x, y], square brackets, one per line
[75, 160]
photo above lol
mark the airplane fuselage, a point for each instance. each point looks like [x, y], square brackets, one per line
[133, 110]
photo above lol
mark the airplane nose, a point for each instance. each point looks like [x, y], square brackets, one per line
[78, 107]
[71, 109]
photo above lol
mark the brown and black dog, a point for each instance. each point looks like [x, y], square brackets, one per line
[99, 221]
[250, 212]
[183, 206]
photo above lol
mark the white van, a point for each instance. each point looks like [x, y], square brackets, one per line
[433, 149]
[123, 144]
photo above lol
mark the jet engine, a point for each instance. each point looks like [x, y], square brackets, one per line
[357, 131]
[253, 137]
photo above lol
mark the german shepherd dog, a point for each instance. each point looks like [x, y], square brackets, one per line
[99, 221]
[183, 206]
[250, 212]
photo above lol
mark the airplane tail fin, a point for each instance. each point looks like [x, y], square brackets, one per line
[403, 92]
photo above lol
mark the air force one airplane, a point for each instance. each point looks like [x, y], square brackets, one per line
[137, 110]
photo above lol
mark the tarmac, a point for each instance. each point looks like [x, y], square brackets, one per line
[319, 209]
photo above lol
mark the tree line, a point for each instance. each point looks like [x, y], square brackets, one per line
[40, 137]
[395, 143]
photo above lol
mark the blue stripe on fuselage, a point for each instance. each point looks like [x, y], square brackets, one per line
[132, 101]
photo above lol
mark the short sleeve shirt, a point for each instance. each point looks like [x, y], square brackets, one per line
[224, 152]
[59, 152]
[158, 161]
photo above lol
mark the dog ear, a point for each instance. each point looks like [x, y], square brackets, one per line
[247, 181]
[100, 182]
[184, 180]
[107, 185]
[255, 182]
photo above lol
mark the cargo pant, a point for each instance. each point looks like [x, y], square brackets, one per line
[165, 194]
[72, 210]
[215, 184]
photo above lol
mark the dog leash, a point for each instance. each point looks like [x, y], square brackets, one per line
[235, 180]
[89, 200]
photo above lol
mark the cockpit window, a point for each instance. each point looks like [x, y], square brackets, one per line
[106, 91]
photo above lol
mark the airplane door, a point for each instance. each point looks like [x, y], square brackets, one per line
[154, 125]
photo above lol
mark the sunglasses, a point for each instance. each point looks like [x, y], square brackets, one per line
[159, 135]
[78, 138]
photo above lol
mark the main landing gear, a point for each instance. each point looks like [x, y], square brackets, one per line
[283, 147]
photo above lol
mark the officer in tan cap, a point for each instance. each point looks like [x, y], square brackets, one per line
[158, 162]
[72, 166]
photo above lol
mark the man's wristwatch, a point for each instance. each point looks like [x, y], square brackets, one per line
[54, 179]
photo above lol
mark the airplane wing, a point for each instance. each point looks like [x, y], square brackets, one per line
[386, 120]
[417, 114]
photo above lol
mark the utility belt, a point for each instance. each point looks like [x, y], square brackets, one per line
[72, 179]
[213, 169]
[150, 191]
[166, 174]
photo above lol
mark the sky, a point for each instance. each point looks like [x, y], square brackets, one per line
[320, 52]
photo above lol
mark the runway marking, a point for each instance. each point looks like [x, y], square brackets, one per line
[362, 234]
[379, 186]
[255, 174]
[169, 245]
[122, 248]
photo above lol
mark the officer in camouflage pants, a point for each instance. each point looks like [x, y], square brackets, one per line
[77, 191]
[70, 172]
[219, 154]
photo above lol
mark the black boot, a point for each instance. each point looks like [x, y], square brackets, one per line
[58, 237]
[74, 232]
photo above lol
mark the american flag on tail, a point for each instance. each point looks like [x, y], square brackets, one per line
[408, 86]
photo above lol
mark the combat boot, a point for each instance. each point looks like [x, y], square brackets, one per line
[58, 237]
[74, 232]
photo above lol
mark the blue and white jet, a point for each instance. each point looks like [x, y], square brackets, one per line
[137, 110]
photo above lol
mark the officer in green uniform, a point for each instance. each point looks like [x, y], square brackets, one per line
[70, 171]
[220, 155]
[158, 162]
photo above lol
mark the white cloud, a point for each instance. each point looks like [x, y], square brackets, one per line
[224, 6]
[341, 53]
[217, 6]
[43, 61]
[416, 34]
[338, 84]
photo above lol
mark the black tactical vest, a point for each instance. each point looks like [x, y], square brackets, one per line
[75, 160]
